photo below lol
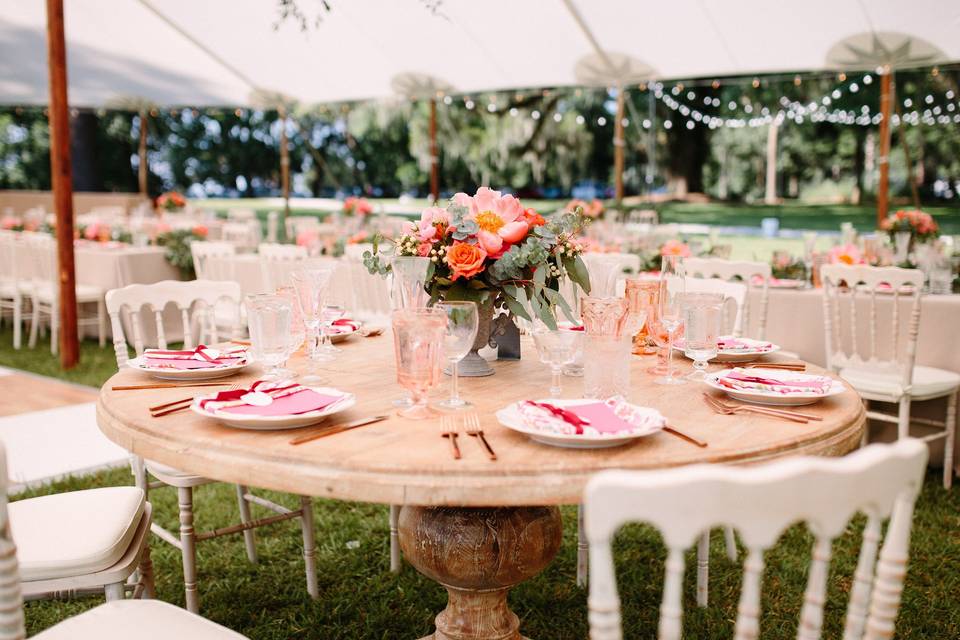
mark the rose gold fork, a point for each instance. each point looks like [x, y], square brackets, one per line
[471, 423]
[450, 433]
[787, 412]
[722, 409]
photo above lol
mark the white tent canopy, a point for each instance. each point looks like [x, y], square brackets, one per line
[217, 52]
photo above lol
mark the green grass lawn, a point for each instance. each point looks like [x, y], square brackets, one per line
[359, 598]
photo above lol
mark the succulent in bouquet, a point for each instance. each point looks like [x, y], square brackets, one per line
[488, 248]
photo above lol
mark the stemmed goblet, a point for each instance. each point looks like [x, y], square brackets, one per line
[556, 347]
[418, 339]
[462, 325]
[702, 314]
[268, 319]
[310, 285]
[672, 288]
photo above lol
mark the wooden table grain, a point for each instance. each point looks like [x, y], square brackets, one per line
[502, 509]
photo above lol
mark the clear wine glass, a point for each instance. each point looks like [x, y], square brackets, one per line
[418, 339]
[333, 310]
[268, 319]
[298, 332]
[556, 347]
[702, 313]
[672, 288]
[310, 285]
[462, 325]
[408, 275]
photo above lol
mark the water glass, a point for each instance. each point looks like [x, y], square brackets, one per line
[408, 282]
[332, 311]
[310, 286]
[672, 288]
[556, 347]
[418, 340]
[702, 316]
[268, 319]
[462, 325]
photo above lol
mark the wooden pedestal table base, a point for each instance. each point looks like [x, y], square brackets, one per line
[478, 554]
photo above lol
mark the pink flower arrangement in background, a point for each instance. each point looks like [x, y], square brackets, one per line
[354, 206]
[592, 209]
[11, 223]
[307, 237]
[675, 248]
[171, 201]
[845, 254]
[920, 224]
[92, 231]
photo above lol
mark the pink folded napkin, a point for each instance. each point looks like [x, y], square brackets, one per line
[202, 357]
[272, 400]
[343, 325]
[728, 343]
[601, 418]
[784, 383]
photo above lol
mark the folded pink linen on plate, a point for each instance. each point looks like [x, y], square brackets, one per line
[202, 357]
[742, 380]
[284, 400]
[615, 416]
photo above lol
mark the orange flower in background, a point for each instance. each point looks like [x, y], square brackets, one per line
[532, 218]
[200, 231]
[675, 248]
[465, 260]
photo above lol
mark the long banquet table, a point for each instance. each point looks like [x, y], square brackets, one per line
[476, 526]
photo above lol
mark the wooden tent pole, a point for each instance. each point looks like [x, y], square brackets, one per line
[143, 153]
[914, 192]
[886, 98]
[284, 164]
[770, 188]
[62, 178]
[618, 146]
[434, 157]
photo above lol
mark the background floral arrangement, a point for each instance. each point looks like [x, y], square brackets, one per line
[354, 206]
[102, 232]
[785, 266]
[489, 248]
[177, 243]
[592, 209]
[921, 225]
[171, 201]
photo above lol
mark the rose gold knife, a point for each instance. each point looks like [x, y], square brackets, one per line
[329, 431]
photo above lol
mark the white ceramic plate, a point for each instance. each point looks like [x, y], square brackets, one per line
[340, 337]
[769, 397]
[274, 423]
[739, 355]
[511, 418]
[140, 364]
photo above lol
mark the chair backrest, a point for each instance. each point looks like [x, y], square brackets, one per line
[751, 274]
[844, 286]
[241, 214]
[736, 293]
[8, 256]
[277, 261]
[11, 598]
[201, 251]
[201, 296]
[295, 224]
[760, 503]
[245, 235]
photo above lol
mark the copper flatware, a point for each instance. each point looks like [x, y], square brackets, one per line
[450, 433]
[371, 332]
[786, 366]
[719, 407]
[684, 436]
[242, 343]
[788, 412]
[171, 407]
[160, 414]
[472, 428]
[166, 385]
[339, 428]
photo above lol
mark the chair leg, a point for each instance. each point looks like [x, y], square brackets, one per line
[54, 330]
[309, 546]
[102, 322]
[950, 424]
[34, 325]
[115, 591]
[903, 418]
[17, 322]
[395, 559]
[583, 550]
[865, 437]
[249, 541]
[189, 548]
[146, 572]
[731, 542]
[703, 569]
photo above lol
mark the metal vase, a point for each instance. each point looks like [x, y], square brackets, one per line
[474, 365]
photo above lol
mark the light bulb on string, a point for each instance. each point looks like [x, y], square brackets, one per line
[667, 124]
[690, 124]
[601, 121]
[867, 79]
[535, 114]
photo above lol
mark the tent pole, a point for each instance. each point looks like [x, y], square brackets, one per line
[62, 178]
[651, 140]
[618, 144]
[284, 164]
[143, 154]
[434, 159]
[906, 154]
[886, 98]
[770, 194]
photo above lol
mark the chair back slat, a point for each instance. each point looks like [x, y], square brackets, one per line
[200, 294]
[863, 580]
[203, 251]
[277, 261]
[731, 319]
[11, 598]
[853, 320]
[753, 275]
[761, 502]
[873, 325]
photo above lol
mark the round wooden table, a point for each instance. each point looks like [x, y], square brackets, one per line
[476, 526]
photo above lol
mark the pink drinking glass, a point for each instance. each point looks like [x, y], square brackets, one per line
[418, 337]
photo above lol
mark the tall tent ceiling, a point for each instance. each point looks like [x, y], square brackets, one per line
[218, 52]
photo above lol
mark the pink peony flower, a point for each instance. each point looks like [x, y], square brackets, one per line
[433, 223]
[307, 237]
[92, 231]
[500, 219]
[845, 254]
[675, 248]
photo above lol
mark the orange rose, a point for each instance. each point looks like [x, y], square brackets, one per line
[465, 259]
[532, 218]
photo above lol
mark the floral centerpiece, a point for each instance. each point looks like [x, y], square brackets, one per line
[845, 254]
[102, 232]
[171, 201]
[11, 223]
[785, 266]
[489, 249]
[592, 209]
[358, 207]
[673, 247]
[177, 243]
[921, 225]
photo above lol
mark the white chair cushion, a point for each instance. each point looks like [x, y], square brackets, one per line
[75, 533]
[927, 381]
[85, 292]
[140, 619]
[174, 477]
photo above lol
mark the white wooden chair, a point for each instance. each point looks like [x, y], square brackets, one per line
[881, 481]
[746, 273]
[370, 295]
[203, 251]
[44, 292]
[115, 620]
[277, 261]
[243, 235]
[11, 285]
[885, 372]
[187, 295]
[296, 224]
